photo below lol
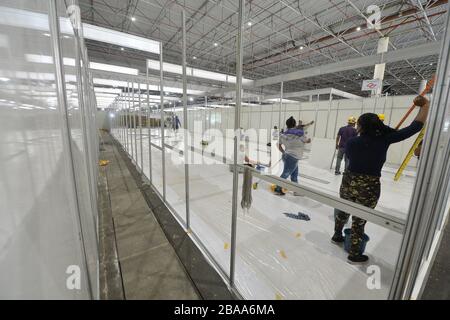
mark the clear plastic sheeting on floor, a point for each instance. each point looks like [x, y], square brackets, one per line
[278, 255]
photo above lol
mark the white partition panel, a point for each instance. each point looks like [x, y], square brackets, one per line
[47, 220]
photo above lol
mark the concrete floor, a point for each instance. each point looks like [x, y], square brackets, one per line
[135, 252]
[438, 282]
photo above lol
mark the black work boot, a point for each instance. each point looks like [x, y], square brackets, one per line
[361, 258]
[337, 238]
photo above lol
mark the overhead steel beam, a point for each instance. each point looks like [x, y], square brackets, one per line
[152, 80]
[382, 35]
[424, 13]
[344, 94]
[299, 94]
[418, 51]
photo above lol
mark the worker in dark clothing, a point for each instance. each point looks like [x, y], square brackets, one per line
[176, 123]
[361, 182]
[343, 135]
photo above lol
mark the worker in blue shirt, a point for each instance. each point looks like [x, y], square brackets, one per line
[344, 134]
[361, 182]
[176, 123]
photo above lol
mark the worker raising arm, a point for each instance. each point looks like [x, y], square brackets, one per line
[361, 182]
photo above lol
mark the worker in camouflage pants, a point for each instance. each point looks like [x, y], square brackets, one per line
[367, 154]
[362, 189]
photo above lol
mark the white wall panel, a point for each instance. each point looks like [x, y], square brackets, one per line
[393, 107]
[41, 203]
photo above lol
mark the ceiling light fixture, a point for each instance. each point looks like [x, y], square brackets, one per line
[249, 23]
[215, 44]
[194, 72]
[133, 19]
[194, 57]
[39, 21]
[301, 47]
[358, 29]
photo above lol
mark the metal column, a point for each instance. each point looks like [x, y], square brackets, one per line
[140, 128]
[185, 124]
[427, 198]
[335, 119]
[328, 115]
[237, 120]
[281, 106]
[149, 126]
[130, 150]
[134, 125]
[161, 94]
[64, 114]
[127, 145]
[315, 116]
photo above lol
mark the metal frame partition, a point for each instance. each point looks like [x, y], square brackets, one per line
[186, 149]
[89, 137]
[431, 190]
[437, 153]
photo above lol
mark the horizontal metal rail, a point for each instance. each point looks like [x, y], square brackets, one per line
[379, 218]
[382, 219]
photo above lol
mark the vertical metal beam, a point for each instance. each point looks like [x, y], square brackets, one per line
[281, 105]
[140, 127]
[130, 150]
[161, 95]
[390, 112]
[64, 113]
[335, 118]
[126, 117]
[121, 120]
[375, 104]
[237, 120]
[134, 125]
[149, 126]
[271, 124]
[185, 124]
[122, 116]
[315, 116]
[90, 174]
[328, 115]
[429, 189]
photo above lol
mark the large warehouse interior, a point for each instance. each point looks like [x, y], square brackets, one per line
[224, 149]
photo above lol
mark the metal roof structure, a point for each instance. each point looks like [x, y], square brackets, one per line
[280, 37]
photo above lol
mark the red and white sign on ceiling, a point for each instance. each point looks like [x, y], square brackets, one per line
[372, 84]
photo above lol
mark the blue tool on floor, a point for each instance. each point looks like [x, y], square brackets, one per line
[298, 216]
